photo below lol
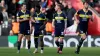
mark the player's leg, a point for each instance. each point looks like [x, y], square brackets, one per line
[57, 39]
[83, 37]
[41, 43]
[36, 44]
[29, 41]
[57, 43]
[61, 45]
[36, 36]
[20, 36]
[61, 40]
[27, 36]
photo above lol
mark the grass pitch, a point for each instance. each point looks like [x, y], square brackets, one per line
[95, 51]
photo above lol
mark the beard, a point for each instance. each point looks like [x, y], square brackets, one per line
[86, 8]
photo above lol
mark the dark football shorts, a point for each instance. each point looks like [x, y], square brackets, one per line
[82, 29]
[25, 30]
[59, 31]
[37, 31]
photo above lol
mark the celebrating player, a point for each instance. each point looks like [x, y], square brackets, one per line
[39, 20]
[59, 23]
[23, 17]
[84, 16]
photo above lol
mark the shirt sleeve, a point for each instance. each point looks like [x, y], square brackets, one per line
[77, 13]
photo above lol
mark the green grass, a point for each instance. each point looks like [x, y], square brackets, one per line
[51, 52]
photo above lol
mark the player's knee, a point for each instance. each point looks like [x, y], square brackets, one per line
[27, 37]
[61, 39]
[19, 42]
[56, 41]
[29, 42]
[84, 37]
[20, 37]
[41, 39]
[35, 40]
[56, 38]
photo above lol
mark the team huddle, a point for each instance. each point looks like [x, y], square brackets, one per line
[59, 23]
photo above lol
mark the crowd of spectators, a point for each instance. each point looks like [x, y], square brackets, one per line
[9, 8]
[95, 4]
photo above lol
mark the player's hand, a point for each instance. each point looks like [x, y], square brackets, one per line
[1, 22]
[33, 20]
[31, 31]
[13, 17]
[23, 20]
[77, 21]
[11, 32]
[91, 17]
[53, 26]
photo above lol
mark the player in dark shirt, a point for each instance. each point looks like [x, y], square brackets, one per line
[59, 23]
[23, 17]
[84, 16]
[39, 19]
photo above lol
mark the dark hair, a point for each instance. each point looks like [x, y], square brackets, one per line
[85, 2]
[3, 8]
[23, 4]
[59, 5]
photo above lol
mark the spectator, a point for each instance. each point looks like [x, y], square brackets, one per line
[12, 9]
[5, 18]
[2, 4]
[91, 3]
[61, 1]
[49, 16]
[1, 20]
[43, 3]
[14, 28]
[70, 14]
[57, 2]
[65, 6]
[32, 4]
[50, 12]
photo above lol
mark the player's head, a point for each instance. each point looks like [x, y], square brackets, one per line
[23, 7]
[14, 1]
[2, 2]
[61, 1]
[3, 9]
[64, 3]
[32, 10]
[69, 5]
[58, 7]
[43, 0]
[85, 5]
